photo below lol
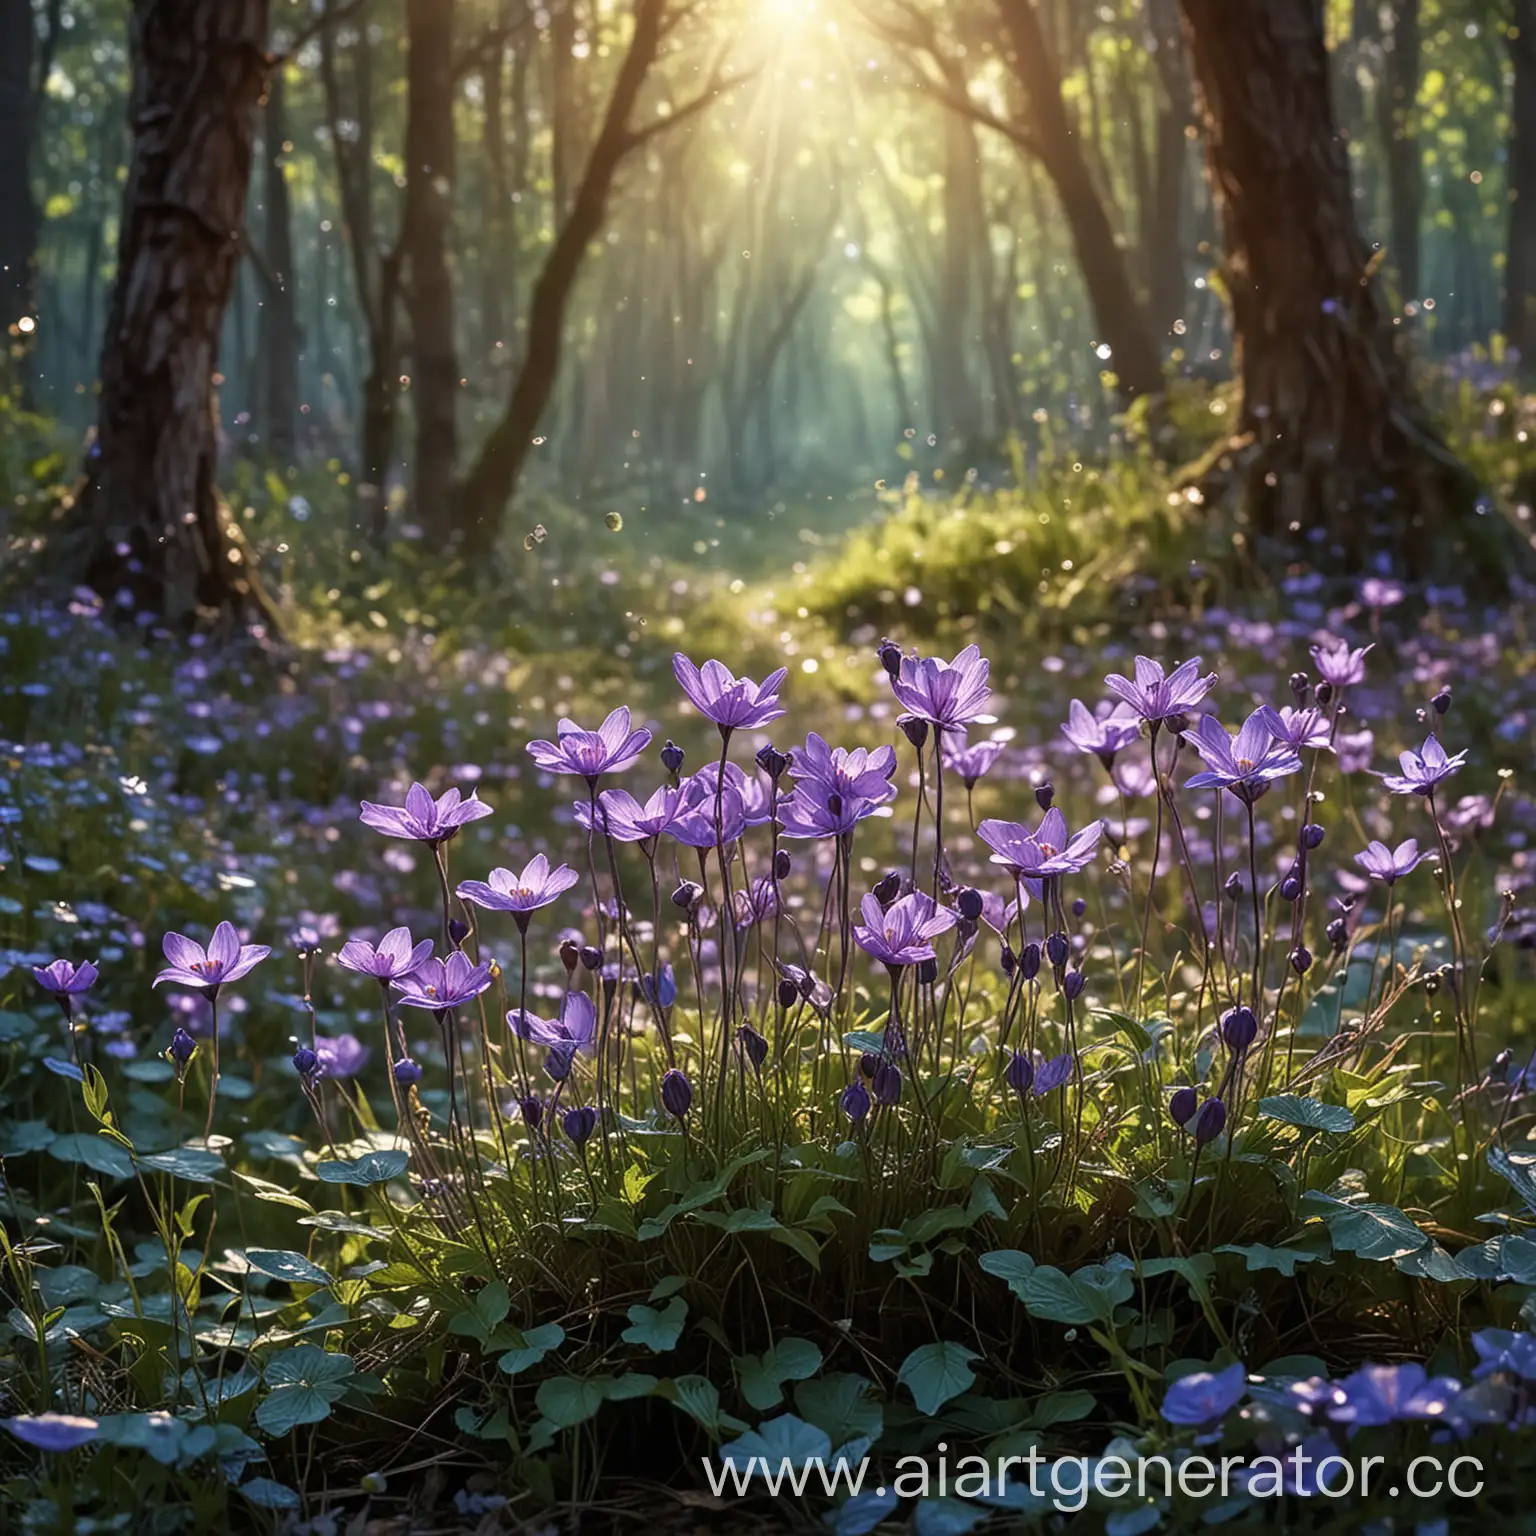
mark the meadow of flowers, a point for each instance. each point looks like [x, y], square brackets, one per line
[1105, 1053]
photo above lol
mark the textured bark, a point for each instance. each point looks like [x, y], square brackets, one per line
[148, 517]
[1520, 249]
[1397, 114]
[18, 210]
[1329, 437]
[1121, 321]
[425, 231]
[279, 330]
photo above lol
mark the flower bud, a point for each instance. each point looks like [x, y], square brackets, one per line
[676, 1094]
[687, 895]
[457, 932]
[788, 992]
[1299, 687]
[1239, 1028]
[1072, 984]
[1010, 961]
[183, 1047]
[1079, 907]
[1029, 961]
[1290, 888]
[306, 1064]
[782, 864]
[1182, 1106]
[1442, 701]
[570, 950]
[886, 1083]
[969, 903]
[772, 761]
[1312, 836]
[927, 972]
[890, 656]
[1057, 948]
[855, 1102]
[591, 957]
[579, 1124]
[672, 756]
[1323, 693]
[915, 730]
[1020, 1073]
[1210, 1122]
[1045, 794]
[887, 888]
[1234, 885]
[1301, 959]
[869, 1064]
[532, 1111]
[753, 1045]
[1338, 935]
[559, 1062]
[407, 1072]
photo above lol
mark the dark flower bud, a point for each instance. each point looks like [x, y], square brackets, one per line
[1234, 885]
[1079, 907]
[579, 1124]
[306, 1064]
[1210, 1122]
[183, 1047]
[1029, 961]
[457, 932]
[788, 992]
[1338, 935]
[532, 1111]
[855, 1102]
[1290, 888]
[672, 757]
[687, 895]
[1020, 1073]
[890, 656]
[927, 972]
[1442, 701]
[968, 903]
[887, 888]
[772, 761]
[570, 951]
[782, 864]
[1072, 984]
[1182, 1106]
[560, 1061]
[915, 730]
[1239, 1028]
[1323, 693]
[753, 1044]
[1010, 961]
[1299, 687]
[676, 1094]
[834, 804]
[591, 957]
[407, 1072]
[1312, 836]
[965, 930]
[1301, 959]
[1045, 794]
[869, 1064]
[885, 1085]
[1057, 948]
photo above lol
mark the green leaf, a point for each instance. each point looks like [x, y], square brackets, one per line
[1257, 1257]
[284, 1264]
[1010, 1265]
[1133, 1031]
[699, 1398]
[780, 1440]
[264, 1189]
[658, 1331]
[537, 1342]
[935, 1373]
[267, 1493]
[1369, 1230]
[1060, 1408]
[191, 1163]
[371, 1168]
[567, 1401]
[838, 1404]
[286, 1408]
[1307, 1114]
[1089, 1295]
[102, 1154]
[762, 1377]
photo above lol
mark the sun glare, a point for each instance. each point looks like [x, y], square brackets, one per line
[788, 13]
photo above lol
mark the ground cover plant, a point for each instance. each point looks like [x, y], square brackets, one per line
[1121, 1088]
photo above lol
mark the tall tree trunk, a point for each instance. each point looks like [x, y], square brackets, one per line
[1121, 321]
[279, 331]
[148, 518]
[1397, 112]
[1329, 437]
[1520, 249]
[426, 225]
[1166, 240]
[18, 210]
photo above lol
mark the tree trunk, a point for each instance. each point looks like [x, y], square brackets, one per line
[279, 331]
[18, 210]
[426, 223]
[148, 520]
[1397, 112]
[1329, 441]
[492, 478]
[1520, 251]
[1121, 321]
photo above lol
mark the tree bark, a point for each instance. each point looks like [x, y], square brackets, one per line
[279, 330]
[148, 519]
[1397, 112]
[426, 223]
[1520, 249]
[1329, 441]
[18, 209]
[1121, 321]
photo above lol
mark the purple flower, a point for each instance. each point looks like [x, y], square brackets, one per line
[182, 1047]
[343, 1057]
[443, 984]
[1387, 1394]
[407, 1072]
[705, 822]
[1054, 1073]
[1423, 770]
[660, 990]
[1106, 732]
[973, 762]
[536, 887]
[1046, 851]
[1302, 730]
[575, 1028]
[947, 694]
[756, 904]
[1339, 666]
[1499, 1350]
[1156, 696]
[1378, 592]
[226, 959]
[66, 980]
[1210, 1122]
[1019, 1073]
[423, 819]
[900, 933]
[1182, 1106]
[1204, 1397]
[733, 703]
[1389, 865]
[1246, 764]
[812, 810]
[862, 773]
[56, 1432]
[622, 817]
[676, 1094]
[394, 956]
[1355, 749]
[855, 1101]
[590, 754]
[753, 793]
[579, 1124]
